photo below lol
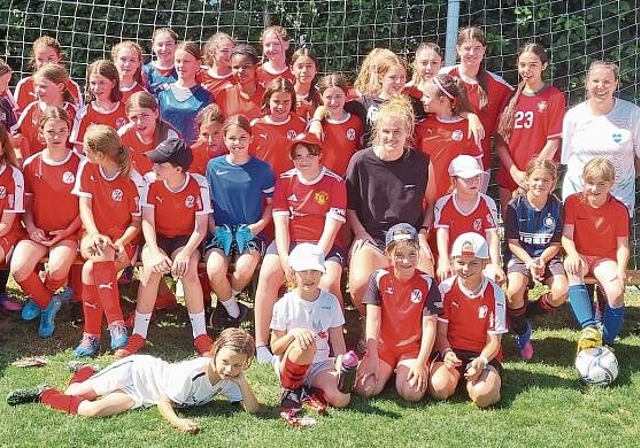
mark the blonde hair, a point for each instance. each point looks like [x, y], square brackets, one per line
[137, 76]
[599, 168]
[397, 107]
[539, 164]
[366, 79]
[383, 64]
[212, 44]
[105, 140]
[235, 339]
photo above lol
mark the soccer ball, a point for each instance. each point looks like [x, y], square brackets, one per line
[597, 366]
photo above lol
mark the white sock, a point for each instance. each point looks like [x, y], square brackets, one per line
[231, 305]
[198, 325]
[141, 324]
[263, 355]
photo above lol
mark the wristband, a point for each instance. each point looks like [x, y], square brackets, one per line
[484, 358]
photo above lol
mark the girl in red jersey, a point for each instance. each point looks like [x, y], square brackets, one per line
[273, 132]
[217, 57]
[103, 95]
[402, 308]
[466, 209]
[109, 193]
[487, 92]
[127, 57]
[245, 96]
[596, 240]
[426, 64]
[50, 87]
[51, 220]
[11, 204]
[210, 143]
[304, 66]
[145, 129]
[175, 213]
[443, 133]
[45, 50]
[161, 70]
[531, 124]
[469, 339]
[308, 206]
[275, 43]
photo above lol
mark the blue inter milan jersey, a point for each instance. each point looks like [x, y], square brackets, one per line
[534, 229]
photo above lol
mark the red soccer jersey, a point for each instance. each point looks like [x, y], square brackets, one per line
[232, 101]
[271, 141]
[443, 141]
[24, 93]
[29, 126]
[131, 139]
[596, 230]
[88, 115]
[201, 156]
[214, 84]
[498, 94]
[114, 201]
[264, 77]
[341, 141]
[128, 91]
[49, 185]
[479, 219]
[403, 305]
[471, 318]
[309, 204]
[11, 192]
[175, 211]
[537, 118]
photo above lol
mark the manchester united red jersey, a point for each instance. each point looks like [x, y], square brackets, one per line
[309, 204]
[271, 141]
[88, 115]
[341, 141]
[471, 318]
[232, 101]
[175, 211]
[114, 200]
[444, 140]
[49, 184]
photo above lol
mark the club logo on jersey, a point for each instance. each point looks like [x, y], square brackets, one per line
[3, 192]
[322, 197]
[617, 137]
[351, 134]
[121, 121]
[542, 106]
[457, 135]
[372, 114]
[117, 195]
[549, 221]
[477, 224]
[189, 201]
[291, 134]
[416, 296]
[68, 177]
[483, 311]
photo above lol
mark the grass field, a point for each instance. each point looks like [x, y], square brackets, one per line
[543, 403]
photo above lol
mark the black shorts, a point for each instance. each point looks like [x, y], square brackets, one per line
[170, 244]
[466, 357]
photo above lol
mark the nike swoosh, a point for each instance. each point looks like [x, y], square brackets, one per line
[220, 173]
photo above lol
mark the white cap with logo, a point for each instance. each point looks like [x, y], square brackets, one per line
[470, 244]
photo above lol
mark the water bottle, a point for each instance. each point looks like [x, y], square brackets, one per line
[347, 374]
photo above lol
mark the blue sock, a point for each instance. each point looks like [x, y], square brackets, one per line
[581, 305]
[612, 320]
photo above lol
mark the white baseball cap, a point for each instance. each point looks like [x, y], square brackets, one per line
[465, 166]
[306, 256]
[470, 244]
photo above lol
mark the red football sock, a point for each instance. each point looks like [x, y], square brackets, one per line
[57, 400]
[52, 284]
[33, 287]
[82, 374]
[541, 306]
[518, 319]
[293, 374]
[106, 284]
[92, 309]
[75, 281]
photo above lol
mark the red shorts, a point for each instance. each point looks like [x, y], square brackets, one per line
[8, 243]
[392, 355]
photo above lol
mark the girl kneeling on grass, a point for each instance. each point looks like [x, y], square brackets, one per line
[305, 320]
[533, 229]
[596, 240]
[402, 305]
[143, 380]
[470, 330]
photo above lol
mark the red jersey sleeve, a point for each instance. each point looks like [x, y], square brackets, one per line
[338, 200]
[280, 204]
[556, 116]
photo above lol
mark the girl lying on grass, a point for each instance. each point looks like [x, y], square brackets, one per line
[143, 380]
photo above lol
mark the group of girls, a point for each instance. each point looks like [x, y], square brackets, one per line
[281, 158]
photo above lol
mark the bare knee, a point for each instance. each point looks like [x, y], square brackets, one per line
[336, 398]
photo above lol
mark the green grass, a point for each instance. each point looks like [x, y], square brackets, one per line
[543, 403]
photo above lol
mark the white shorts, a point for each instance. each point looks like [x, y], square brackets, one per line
[315, 369]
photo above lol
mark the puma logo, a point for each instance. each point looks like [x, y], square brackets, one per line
[106, 286]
